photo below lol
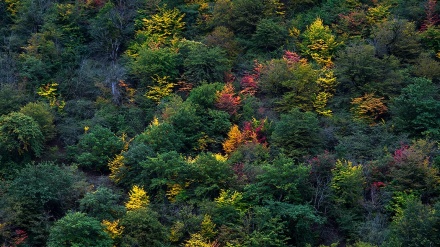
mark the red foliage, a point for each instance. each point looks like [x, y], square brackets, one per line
[227, 100]
[291, 57]
[249, 82]
[431, 17]
[400, 154]
[255, 132]
[378, 184]
[20, 237]
[238, 169]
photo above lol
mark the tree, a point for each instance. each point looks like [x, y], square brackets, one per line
[227, 100]
[269, 35]
[282, 180]
[369, 108]
[101, 204]
[398, 38]
[78, 230]
[39, 194]
[20, 134]
[347, 193]
[233, 141]
[297, 134]
[319, 43]
[146, 63]
[416, 110]
[138, 198]
[96, 148]
[167, 25]
[202, 63]
[142, 228]
[42, 114]
[360, 71]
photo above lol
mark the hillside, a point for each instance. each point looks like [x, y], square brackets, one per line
[202, 123]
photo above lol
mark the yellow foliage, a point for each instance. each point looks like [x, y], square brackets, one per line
[173, 191]
[321, 102]
[197, 240]
[220, 157]
[327, 84]
[378, 14]
[115, 166]
[229, 198]
[177, 231]
[369, 108]
[49, 92]
[161, 88]
[138, 199]
[12, 6]
[319, 43]
[113, 228]
[207, 228]
[234, 140]
[166, 25]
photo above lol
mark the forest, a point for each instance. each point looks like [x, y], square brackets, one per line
[219, 123]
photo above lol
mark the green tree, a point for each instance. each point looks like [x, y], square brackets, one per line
[269, 35]
[397, 37]
[142, 228]
[416, 110]
[39, 194]
[416, 225]
[297, 134]
[20, 134]
[347, 193]
[78, 230]
[282, 180]
[96, 148]
[42, 114]
[102, 204]
[202, 63]
[146, 62]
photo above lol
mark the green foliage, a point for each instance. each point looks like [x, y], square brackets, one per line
[202, 63]
[283, 181]
[102, 204]
[415, 226]
[20, 134]
[398, 38]
[347, 193]
[146, 62]
[209, 175]
[39, 193]
[297, 133]
[162, 137]
[79, 230]
[360, 71]
[205, 95]
[10, 99]
[42, 114]
[142, 228]
[96, 148]
[269, 35]
[416, 109]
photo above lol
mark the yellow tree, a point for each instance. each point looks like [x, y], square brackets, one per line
[327, 84]
[319, 43]
[235, 138]
[165, 25]
[138, 198]
[369, 108]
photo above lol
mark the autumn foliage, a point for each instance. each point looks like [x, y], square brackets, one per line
[227, 100]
